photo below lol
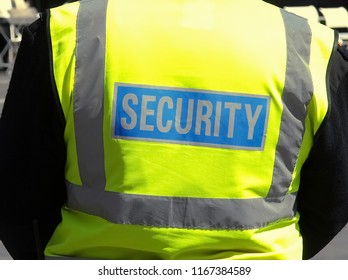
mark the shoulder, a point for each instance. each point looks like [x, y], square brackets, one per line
[339, 63]
[338, 69]
[36, 31]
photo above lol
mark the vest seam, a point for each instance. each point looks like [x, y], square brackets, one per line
[51, 73]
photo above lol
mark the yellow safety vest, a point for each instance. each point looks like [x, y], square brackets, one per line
[187, 124]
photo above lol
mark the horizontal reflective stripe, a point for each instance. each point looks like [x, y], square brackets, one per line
[179, 212]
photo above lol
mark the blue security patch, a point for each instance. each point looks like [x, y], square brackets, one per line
[192, 117]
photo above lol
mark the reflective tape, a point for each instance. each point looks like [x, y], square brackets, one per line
[297, 94]
[89, 92]
[179, 212]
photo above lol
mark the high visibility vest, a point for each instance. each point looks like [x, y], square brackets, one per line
[187, 124]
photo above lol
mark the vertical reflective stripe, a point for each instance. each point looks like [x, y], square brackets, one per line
[179, 212]
[297, 94]
[89, 92]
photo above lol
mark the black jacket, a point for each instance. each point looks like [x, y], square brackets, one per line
[32, 156]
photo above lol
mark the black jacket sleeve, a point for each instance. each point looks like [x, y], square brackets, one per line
[32, 150]
[323, 195]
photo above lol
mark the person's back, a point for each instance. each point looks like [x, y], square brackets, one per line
[187, 125]
[185, 152]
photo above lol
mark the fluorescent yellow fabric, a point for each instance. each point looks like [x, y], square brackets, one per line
[63, 40]
[196, 45]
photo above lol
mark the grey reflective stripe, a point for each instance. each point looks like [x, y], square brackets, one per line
[180, 212]
[297, 94]
[89, 92]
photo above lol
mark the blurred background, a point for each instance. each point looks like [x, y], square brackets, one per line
[44, 4]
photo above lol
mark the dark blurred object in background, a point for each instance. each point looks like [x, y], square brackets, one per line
[41, 5]
[317, 3]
